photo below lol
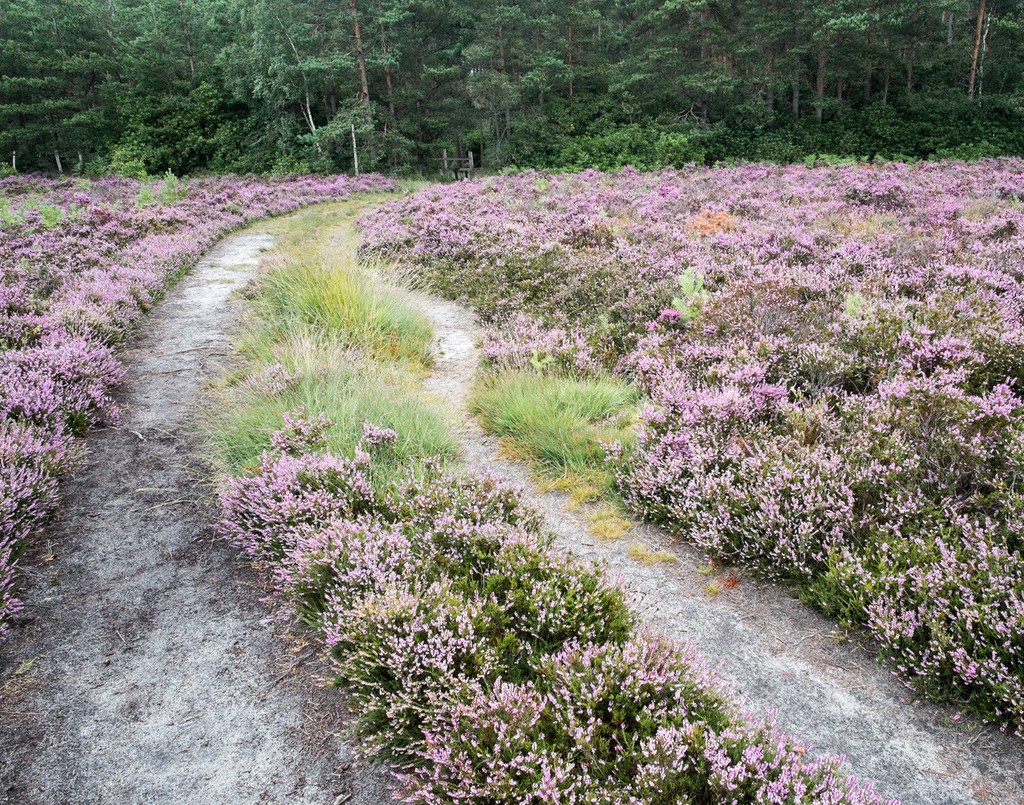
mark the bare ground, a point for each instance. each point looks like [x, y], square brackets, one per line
[777, 653]
[145, 668]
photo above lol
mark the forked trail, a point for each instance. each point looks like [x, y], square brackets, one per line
[778, 654]
[152, 674]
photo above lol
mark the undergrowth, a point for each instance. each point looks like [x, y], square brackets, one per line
[560, 423]
[325, 334]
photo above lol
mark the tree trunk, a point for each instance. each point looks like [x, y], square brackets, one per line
[796, 98]
[568, 23]
[984, 49]
[364, 92]
[387, 64]
[913, 49]
[868, 67]
[501, 50]
[188, 38]
[819, 89]
[307, 110]
[769, 90]
[705, 54]
[977, 50]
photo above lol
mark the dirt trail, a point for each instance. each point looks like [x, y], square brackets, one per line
[778, 654]
[147, 671]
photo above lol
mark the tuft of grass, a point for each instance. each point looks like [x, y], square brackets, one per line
[649, 556]
[580, 488]
[558, 423]
[349, 396]
[607, 523]
[327, 292]
[326, 336]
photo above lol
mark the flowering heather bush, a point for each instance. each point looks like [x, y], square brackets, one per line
[834, 360]
[641, 722]
[504, 670]
[80, 263]
[30, 463]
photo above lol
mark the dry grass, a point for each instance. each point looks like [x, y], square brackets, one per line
[607, 523]
[648, 555]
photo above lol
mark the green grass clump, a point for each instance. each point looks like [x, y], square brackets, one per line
[560, 423]
[348, 396]
[328, 293]
[326, 336]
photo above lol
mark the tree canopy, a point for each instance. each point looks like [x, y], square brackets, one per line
[138, 86]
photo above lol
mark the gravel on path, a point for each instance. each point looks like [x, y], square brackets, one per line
[778, 654]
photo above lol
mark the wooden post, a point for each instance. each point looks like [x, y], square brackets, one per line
[445, 158]
[355, 154]
[469, 173]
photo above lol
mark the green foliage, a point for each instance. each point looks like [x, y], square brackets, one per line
[691, 284]
[275, 85]
[561, 423]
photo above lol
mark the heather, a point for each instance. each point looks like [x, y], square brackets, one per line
[831, 360]
[488, 666]
[80, 264]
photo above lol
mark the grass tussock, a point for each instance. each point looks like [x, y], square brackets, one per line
[329, 293]
[327, 335]
[607, 523]
[558, 423]
[650, 556]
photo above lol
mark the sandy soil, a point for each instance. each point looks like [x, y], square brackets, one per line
[145, 668]
[778, 654]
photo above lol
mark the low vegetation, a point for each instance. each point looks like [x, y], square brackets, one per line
[497, 669]
[487, 666]
[831, 358]
[325, 334]
[562, 423]
[80, 264]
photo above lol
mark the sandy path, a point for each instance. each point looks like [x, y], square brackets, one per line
[777, 653]
[147, 671]
[150, 672]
